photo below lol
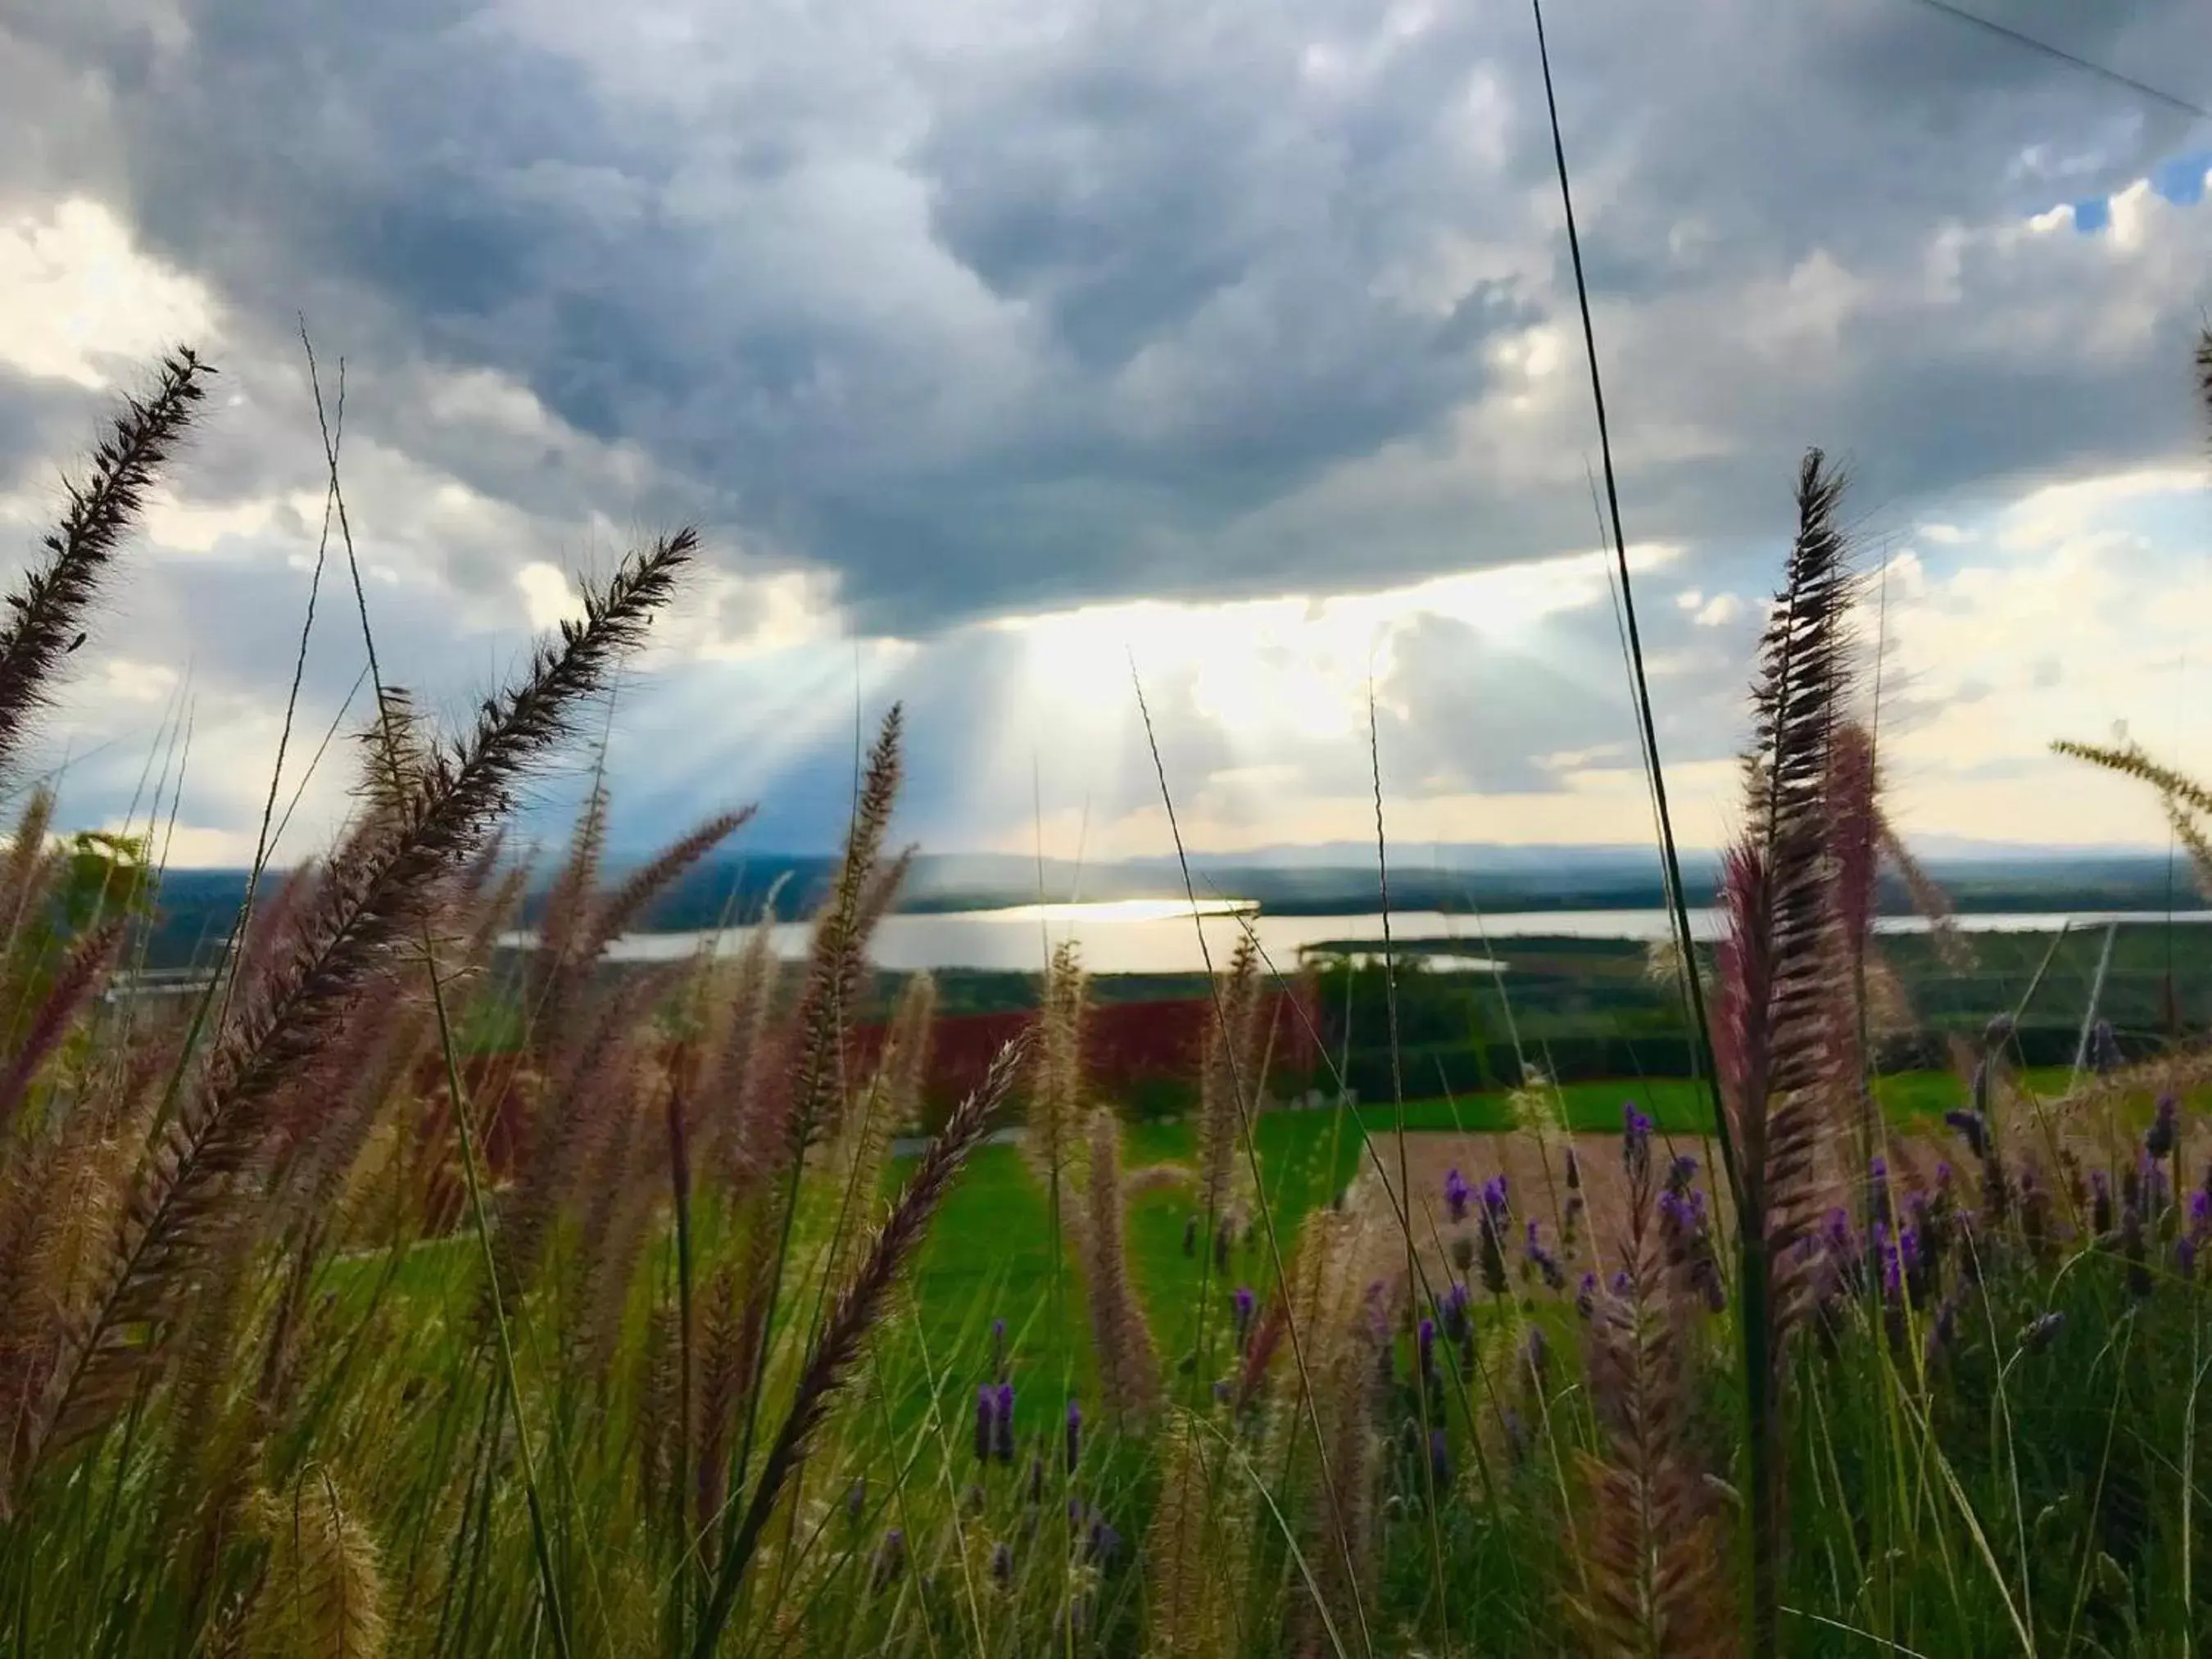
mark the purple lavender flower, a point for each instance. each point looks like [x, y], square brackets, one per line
[1681, 1172]
[1074, 1434]
[1546, 1264]
[1456, 1195]
[1424, 1337]
[890, 1561]
[1494, 1198]
[1002, 1422]
[986, 1415]
[1454, 1312]
[1439, 1459]
[1242, 1306]
[2103, 1048]
[2131, 1248]
[1973, 1128]
[1586, 1296]
[1635, 1139]
[2200, 1215]
[2164, 1128]
[1101, 1541]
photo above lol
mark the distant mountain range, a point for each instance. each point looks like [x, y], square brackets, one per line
[196, 905]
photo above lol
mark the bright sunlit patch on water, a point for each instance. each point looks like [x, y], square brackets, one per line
[1110, 911]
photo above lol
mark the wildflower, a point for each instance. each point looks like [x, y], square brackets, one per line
[1635, 1139]
[1493, 1258]
[1972, 1128]
[1242, 1306]
[1002, 1563]
[1555, 1276]
[1942, 1329]
[1586, 1296]
[2132, 1248]
[1494, 1202]
[1456, 1195]
[2039, 1334]
[1002, 1440]
[1453, 1310]
[1425, 1338]
[2103, 1048]
[2200, 1215]
[1681, 1172]
[1439, 1458]
[1074, 1434]
[890, 1561]
[987, 1413]
[1101, 1542]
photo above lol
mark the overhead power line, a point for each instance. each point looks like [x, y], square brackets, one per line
[2047, 50]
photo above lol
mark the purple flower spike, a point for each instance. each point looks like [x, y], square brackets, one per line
[987, 1416]
[1635, 1139]
[2164, 1129]
[1243, 1304]
[1972, 1128]
[1493, 1198]
[1586, 1296]
[1002, 1416]
[1456, 1195]
[1074, 1434]
[1439, 1458]
[1426, 1339]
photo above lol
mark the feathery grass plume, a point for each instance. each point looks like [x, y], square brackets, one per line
[857, 1307]
[1776, 1040]
[733, 1124]
[566, 1134]
[21, 889]
[1952, 948]
[626, 1184]
[1230, 1085]
[1655, 1585]
[1128, 1368]
[839, 958]
[46, 611]
[2184, 800]
[614, 915]
[566, 911]
[321, 1593]
[371, 898]
[1329, 1298]
[862, 1147]
[1055, 1094]
[1192, 1553]
[722, 1370]
[82, 972]
[396, 750]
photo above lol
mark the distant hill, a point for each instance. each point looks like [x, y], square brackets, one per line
[196, 905]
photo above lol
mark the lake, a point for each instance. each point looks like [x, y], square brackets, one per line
[1150, 936]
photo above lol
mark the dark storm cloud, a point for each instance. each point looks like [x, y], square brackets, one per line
[1179, 228]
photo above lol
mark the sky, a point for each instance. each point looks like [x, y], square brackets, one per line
[1011, 358]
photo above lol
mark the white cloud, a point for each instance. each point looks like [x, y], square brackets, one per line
[1944, 535]
[549, 599]
[82, 303]
[1719, 610]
